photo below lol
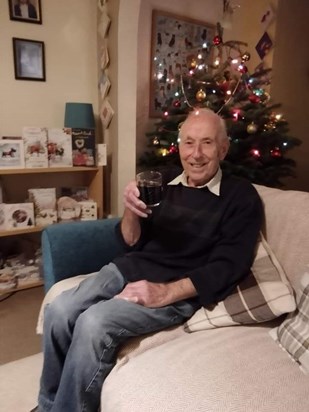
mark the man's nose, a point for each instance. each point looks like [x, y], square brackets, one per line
[197, 151]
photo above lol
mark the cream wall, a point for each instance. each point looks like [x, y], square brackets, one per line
[69, 34]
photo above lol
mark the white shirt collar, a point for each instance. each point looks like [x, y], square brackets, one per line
[213, 185]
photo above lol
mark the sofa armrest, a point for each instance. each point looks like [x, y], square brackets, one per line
[71, 249]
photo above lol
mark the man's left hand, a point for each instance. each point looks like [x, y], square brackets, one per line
[149, 294]
[157, 295]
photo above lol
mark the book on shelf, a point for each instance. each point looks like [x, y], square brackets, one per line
[59, 147]
[35, 146]
[83, 147]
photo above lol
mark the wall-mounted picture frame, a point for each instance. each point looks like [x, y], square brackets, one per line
[29, 59]
[27, 11]
[174, 41]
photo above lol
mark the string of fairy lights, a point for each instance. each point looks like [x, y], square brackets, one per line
[219, 69]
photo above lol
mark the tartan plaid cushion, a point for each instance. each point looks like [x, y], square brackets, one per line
[263, 295]
[293, 333]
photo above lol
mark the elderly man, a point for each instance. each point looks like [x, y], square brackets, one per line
[191, 250]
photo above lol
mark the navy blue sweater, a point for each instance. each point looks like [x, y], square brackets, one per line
[194, 233]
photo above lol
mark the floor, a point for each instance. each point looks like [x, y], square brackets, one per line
[18, 317]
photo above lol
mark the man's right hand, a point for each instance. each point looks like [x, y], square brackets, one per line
[132, 202]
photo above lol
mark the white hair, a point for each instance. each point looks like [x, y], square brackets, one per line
[209, 114]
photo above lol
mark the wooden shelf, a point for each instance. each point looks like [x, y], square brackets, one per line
[72, 169]
[14, 232]
[22, 287]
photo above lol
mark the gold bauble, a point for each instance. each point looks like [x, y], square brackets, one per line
[252, 128]
[193, 64]
[200, 95]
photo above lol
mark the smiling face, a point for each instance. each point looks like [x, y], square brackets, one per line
[202, 146]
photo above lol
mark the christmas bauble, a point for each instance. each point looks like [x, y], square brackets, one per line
[242, 68]
[254, 99]
[200, 95]
[217, 40]
[252, 128]
[193, 64]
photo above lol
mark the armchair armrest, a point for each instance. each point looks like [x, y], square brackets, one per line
[71, 249]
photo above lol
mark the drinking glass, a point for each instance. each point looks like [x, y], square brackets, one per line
[149, 184]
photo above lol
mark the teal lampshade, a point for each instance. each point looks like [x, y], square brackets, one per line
[79, 115]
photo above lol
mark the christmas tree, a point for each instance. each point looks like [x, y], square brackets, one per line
[217, 77]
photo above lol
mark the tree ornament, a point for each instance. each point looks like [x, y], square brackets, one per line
[254, 99]
[177, 103]
[242, 68]
[193, 63]
[255, 153]
[276, 152]
[246, 56]
[217, 40]
[200, 95]
[173, 149]
[252, 128]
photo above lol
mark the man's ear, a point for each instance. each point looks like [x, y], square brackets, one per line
[224, 148]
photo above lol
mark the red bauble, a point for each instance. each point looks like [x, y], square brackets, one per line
[217, 40]
[254, 99]
[242, 68]
[173, 149]
[276, 152]
[177, 103]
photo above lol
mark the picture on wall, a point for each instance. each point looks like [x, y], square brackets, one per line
[29, 59]
[27, 11]
[175, 40]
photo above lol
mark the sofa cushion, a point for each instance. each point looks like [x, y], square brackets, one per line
[293, 333]
[263, 295]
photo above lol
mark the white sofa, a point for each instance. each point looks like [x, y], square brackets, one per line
[230, 369]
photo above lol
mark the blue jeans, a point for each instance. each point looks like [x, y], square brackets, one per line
[83, 329]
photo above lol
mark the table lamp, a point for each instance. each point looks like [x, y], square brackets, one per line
[79, 115]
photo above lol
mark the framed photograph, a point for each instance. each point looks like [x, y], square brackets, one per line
[29, 59]
[27, 11]
[175, 41]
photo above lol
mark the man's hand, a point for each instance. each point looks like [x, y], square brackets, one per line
[132, 202]
[157, 295]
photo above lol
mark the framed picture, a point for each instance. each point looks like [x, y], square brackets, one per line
[29, 59]
[175, 40]
[28, 11]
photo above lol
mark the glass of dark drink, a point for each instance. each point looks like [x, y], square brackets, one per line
[149, 184]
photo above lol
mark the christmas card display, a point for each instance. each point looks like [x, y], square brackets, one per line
[83, 147]
[68, 209]
[44, 199]
[89, 210]
[59, 147]
[16, 215]
[78, 193]
[11, 154]
[35, 145]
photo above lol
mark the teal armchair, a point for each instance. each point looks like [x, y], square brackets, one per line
[76, 248]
